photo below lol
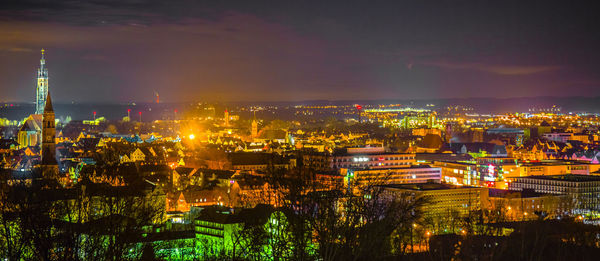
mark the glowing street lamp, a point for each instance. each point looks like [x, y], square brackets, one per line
[192, 136]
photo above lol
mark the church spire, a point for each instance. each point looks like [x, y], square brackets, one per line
[48, 107]
[42, 85]
[49, 165]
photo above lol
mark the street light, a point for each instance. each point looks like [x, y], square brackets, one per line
[427, 234]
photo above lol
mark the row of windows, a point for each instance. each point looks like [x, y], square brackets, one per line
[554, 189]
[373, 159]
[398, 177]
[209, 231]
[397, 172]
[373, 164]
[556, 183]
[209, 224]
[393, 174]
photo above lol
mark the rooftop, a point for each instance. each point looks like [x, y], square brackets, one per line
[553, 162]
[504, 193]
[422, 166]
[564, 177]
[425, 186]
[342, 152]
[455, 162]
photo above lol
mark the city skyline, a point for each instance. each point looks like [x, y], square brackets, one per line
[299, 130]
[187, 51]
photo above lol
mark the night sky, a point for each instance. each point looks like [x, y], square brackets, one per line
[124, 50]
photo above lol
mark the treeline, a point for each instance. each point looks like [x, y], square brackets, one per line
[42, 221]
[302, 220]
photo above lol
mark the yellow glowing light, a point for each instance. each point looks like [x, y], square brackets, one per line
[192, 136]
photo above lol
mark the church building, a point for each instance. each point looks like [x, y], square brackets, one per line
[30, 133]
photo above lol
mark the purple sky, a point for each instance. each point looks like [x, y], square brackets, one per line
[121, 51]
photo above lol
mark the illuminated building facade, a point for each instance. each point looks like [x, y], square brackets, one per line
[424, 131]
[30, 133]
[523, 205]
[493, 169]
[554, 167]
[458, 173]
[370, 158]
[218, 232]
[584, 190]
[442, 198]
[413, 174]
[42, 86]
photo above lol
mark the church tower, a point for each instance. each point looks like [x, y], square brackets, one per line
[226, 118]
[42, 86]
[49, 164]
[254, 130]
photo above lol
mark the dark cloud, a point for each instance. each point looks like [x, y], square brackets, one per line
[104, 13]
[122, 50]
[19, 49]
[495, 68]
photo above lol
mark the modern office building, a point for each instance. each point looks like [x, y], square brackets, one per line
[412, 174]
[584, 190]
[554, 167]
[526, 204]
[375, 157]
[442, 199]
[458, 173]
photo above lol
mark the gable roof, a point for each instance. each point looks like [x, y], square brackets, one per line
[490, 148]
[184, 171]
[32, 123]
